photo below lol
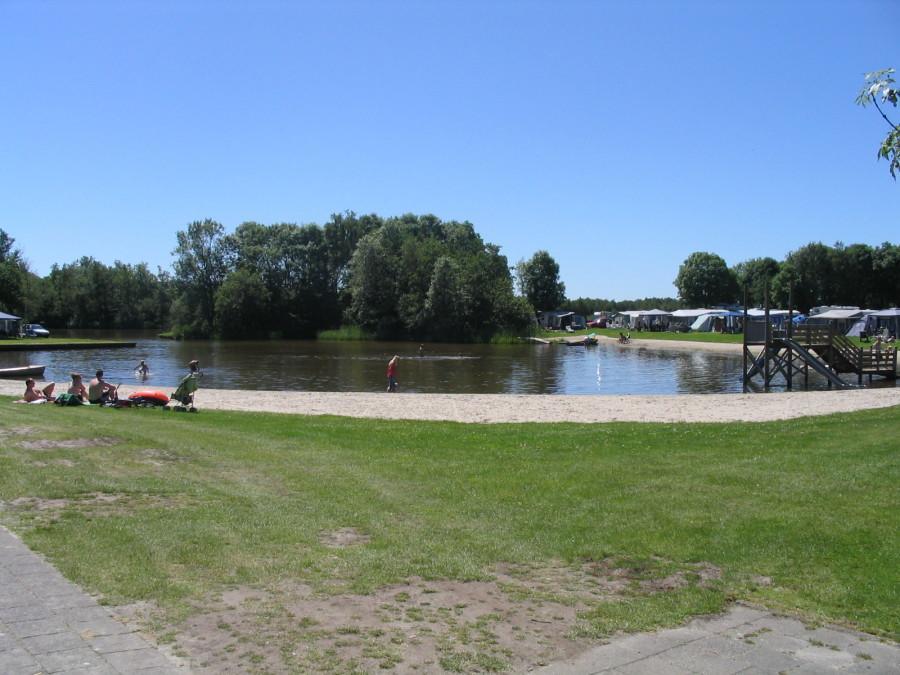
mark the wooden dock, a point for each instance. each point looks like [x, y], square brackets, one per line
[793, 351]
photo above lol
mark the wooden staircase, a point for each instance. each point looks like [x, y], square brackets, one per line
[842, 356]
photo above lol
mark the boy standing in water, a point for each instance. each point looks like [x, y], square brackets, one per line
[392, 374]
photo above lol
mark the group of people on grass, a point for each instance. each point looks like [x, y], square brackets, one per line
[97, 392]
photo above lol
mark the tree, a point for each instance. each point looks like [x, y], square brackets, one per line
[704, 280]
[753, 275]
[852, 279]
[241, 305]
[416, 276]
[200, 266]
[445, 301]
[810, 270]
[886, 275]
[879, 86]
[539, 282]
[12, 275]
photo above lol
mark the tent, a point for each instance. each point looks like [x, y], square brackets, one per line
[9, 324]
[721, 319]
[890, 319]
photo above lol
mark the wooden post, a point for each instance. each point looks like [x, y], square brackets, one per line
[768, 340]
[790, 335]
[745, 339]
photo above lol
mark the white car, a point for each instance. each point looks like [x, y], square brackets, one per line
[35, 330]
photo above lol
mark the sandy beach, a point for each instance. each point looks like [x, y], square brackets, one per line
[496, 408]
[679, 345]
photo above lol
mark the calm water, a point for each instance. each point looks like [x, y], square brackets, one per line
[360, 366]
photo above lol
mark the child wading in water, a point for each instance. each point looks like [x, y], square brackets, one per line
[392, 374]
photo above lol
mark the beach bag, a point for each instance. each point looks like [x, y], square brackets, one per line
[68, 399]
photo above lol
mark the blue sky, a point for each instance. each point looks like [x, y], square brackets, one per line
[618, 136]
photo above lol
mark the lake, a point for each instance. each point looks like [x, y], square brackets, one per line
[307, 365]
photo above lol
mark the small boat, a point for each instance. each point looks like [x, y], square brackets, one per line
[22, 371]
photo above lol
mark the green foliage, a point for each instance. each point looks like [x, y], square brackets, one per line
[345, 334]
[753, 275]
[416, 276]
[704, 280]
[200, 267]
[13, 276]
[539, 282]
[880, 86]
[241, 305]
[90, 294]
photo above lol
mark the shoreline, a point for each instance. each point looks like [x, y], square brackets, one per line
[677, 345]
[55, 346]
[542, 408]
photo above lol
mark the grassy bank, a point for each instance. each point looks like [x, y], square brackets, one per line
[345, 333]
[195, 504]
[34, 344]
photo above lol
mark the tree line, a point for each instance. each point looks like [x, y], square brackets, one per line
[816, 274]
[813, 275]
[406, 277]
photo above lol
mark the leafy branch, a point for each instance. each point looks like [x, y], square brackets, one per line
[880, 86]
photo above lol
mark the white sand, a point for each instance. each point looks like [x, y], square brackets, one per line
[556, 408]
[678, 345]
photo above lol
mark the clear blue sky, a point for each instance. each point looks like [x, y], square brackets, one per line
[618, 136]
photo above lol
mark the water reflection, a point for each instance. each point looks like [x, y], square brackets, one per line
[607, 368]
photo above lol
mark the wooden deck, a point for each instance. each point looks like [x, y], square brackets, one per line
[791, 353]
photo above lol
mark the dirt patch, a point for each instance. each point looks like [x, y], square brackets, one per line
[157, 457]
[526, 616]
[67, 463]
[43, 510]
[344, 537]
[69, 444]
[16, 431]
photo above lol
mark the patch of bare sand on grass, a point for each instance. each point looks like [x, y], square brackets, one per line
[92, 505]
[67, 463]
[525, 616]
[16, 431]
[68, 443]
[157, 457]
[344, 537]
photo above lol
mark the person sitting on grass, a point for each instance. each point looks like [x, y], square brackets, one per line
[101, 392]
[78, 389]
[33, 395]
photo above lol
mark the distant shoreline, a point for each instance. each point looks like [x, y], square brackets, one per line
[35, 346]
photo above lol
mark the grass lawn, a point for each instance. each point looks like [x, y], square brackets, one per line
[802, 516]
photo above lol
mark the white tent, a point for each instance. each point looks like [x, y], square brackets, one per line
[695, 313]
[756, 312]
[704, 323]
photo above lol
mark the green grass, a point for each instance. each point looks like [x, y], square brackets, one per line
[727, 338]
[345, 333]
[222, 498]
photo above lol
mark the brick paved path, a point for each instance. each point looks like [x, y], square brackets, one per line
[49, 625]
